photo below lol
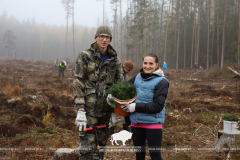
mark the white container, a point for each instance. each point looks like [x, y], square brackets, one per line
[230, 127]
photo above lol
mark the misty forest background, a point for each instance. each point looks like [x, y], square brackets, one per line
[180, 32]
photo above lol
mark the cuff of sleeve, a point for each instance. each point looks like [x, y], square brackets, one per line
[77, 106]
[139, 107]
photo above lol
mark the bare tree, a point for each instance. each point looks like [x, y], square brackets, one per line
[115, 22]
[223, 37]
[73, 28]
[120, 29]
[239, 33]
[218, 33]
[145, 28]
[194, 25]
[160, 28]
[214, 13]
[196, 42]
[208, 40]
[103, 9]
[178, 36]
[196, 57]
[67, 7]
[131, 39]
[184, 39]
[165, 50]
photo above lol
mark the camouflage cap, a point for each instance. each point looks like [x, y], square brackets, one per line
[103, 29]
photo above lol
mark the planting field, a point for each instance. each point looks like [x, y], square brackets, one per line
[37, 114]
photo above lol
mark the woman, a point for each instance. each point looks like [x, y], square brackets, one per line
[147, 113]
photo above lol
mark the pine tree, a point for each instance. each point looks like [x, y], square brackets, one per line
[9, 40]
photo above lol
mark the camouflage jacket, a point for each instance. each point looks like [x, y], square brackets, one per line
[92, 79]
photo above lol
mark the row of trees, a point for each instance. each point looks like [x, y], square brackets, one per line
[41, 41]
[181, 32]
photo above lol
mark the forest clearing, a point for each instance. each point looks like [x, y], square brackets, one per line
[37, 114]
[36, 105]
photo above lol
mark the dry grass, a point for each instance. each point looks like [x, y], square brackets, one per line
[13, 90]
[47, 117]
[1, 85]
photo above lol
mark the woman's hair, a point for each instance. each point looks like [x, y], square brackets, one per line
[151, 55]
[154, 56]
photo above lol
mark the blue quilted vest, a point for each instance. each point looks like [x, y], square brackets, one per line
[145, 92]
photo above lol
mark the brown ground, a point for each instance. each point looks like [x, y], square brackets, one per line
[36, 112]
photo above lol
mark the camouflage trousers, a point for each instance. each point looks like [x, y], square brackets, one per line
[88, 139]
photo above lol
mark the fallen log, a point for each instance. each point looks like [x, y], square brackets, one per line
[234, 71]
[190, 79]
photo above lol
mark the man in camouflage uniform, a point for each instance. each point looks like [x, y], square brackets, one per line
[96, 69]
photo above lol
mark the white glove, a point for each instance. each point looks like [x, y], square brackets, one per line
[81, 120]
[114, 120]
[108, 99]
[129, 107]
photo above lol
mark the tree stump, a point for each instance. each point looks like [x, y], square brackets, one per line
[227, 142]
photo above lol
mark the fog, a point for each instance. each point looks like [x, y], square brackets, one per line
[42, 41]
[181, 32]
[52, 12]
[38, 28]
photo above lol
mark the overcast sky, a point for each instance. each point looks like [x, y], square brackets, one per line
[52, 12]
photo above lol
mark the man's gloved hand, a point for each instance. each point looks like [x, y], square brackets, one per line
[109, 101]
[113, 120]
[81, 120]
[129, 107]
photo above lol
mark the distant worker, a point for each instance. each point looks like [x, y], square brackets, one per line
[195, 67]
[201, 68]
[56, 63]
[73, 70]
[164, 65]
[61, 68]
[126, 68]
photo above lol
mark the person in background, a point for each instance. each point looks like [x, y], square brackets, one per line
[97, 68]
[73, 70]
[56, 63]
[148, 111]
[126, 68]
[195, 67]
[164, 65]
[201, 68]
[61, 68]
